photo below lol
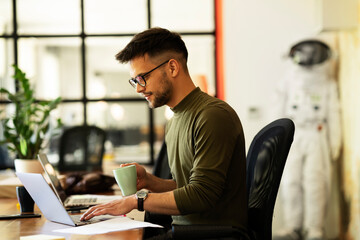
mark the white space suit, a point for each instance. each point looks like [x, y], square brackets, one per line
[308, 95]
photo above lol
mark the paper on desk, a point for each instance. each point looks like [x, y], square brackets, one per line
[111, 225]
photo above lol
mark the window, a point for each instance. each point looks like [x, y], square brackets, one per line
[67, 48]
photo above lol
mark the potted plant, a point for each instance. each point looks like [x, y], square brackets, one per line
[25, 130]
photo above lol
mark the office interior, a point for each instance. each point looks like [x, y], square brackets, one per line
[238, 48]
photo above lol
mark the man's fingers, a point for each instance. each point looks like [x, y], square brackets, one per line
[89, 213]
[126, 164]
[96, 212]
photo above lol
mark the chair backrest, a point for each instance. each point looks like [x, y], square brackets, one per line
[265, 164]
[161, 167]
[82, 149]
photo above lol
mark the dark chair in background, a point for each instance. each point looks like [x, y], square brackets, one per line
[5, 161]
[265, 164]
[81, 149]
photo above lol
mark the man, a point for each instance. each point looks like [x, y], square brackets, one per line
[205, 141]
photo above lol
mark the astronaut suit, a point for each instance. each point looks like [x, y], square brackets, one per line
[308, 96]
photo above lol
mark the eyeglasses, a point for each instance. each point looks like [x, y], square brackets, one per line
[140, 79]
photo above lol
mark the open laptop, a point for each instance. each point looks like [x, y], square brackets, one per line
[73, 200]
[48, 202]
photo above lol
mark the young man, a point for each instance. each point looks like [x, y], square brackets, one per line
[205, 141]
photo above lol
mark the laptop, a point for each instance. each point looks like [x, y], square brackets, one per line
[74, 201]
[48, 202]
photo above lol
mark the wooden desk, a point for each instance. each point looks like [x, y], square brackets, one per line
[13, 229]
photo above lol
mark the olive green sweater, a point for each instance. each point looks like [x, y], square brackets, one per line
[206, 149]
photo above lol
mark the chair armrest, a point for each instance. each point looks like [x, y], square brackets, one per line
[161, 219]
[207, 232]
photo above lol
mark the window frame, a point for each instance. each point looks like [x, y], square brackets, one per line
[84, 100]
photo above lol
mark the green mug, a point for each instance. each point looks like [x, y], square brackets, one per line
[126, 178]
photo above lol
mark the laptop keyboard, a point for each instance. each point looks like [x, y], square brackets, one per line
[76, 219]
[83, 200]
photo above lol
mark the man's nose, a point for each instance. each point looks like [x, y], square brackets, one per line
[139, 88]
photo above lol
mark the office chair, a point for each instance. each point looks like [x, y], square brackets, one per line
[265, 163]
[161, 167]
[162, 170]
[81, 149]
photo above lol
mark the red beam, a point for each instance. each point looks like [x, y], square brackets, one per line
[220, 82]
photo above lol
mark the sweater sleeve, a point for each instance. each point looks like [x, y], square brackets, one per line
[214, 137]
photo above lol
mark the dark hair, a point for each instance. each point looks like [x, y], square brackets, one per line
[153, 42]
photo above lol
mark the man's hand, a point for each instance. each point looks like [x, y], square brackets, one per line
[117, 207]
[148, 181]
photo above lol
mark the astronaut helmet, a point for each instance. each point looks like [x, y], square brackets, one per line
[310, 52]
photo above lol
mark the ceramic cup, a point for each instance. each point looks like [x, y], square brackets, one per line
[126, 179]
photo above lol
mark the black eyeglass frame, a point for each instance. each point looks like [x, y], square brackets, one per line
[140, 78]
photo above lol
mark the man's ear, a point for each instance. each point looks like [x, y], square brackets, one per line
[174, 67]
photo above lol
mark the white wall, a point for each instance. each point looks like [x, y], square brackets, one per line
[257, 35]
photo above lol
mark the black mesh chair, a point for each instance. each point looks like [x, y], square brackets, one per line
[81, 149]
[265, 163]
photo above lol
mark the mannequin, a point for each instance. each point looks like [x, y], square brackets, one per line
[308, 95]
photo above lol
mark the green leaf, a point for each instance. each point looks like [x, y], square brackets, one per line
[23, 146]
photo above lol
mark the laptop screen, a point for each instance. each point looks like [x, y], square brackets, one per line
[51, 173]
